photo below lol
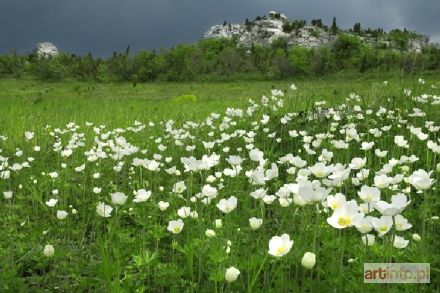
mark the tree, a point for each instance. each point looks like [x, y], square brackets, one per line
[317, 22]
[334, 26]
[357, 28]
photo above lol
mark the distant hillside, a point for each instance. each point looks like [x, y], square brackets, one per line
[265, 30]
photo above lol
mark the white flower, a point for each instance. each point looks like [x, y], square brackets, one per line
[400, 242]
[234, 160]
[184, 212]
[61, 215]
[379, 153]
[53, 175]
[401, 223]
[398, 203]
[280, 245]
[97, 190]
[142, 195]
[52, 202]
[80, 168]
[369, 194]
[312, 192]
[48, 251]
[118, 198]
[209, 191]
[104, 210]
[227, 205]
[259, 193]
[368, 239]
[364, 225]
[345, 216]
[8, 194]
[358, 163]
[179, 187]
[210, 233]
[320, 170]
[382, 181]
[309, 260]
[175, 226]
[231, 274]
[421, 180]
[29, 135]
[335, 201]
[163, 205]
[365, 146]
[255, 223]
[382, 225]
[256, 155]
[400, 141]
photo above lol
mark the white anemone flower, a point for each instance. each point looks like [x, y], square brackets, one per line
[400, 242]
[227, 205]
[280, 245]
[421, 180]
[382, 225]
[369, 194]
[142, 195]
[232, 274]
[104, 210]
[175, 226]
[345, 216]
[255, 223]
[118, 198]
[397, 205]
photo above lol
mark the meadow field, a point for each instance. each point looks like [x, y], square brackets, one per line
[268, 186]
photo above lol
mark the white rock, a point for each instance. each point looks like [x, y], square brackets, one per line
[46, 50]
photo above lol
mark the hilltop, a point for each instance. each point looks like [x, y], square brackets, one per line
[267, 29]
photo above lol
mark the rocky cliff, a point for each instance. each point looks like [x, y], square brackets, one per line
[264, 30]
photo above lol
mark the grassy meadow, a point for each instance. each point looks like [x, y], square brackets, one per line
[191, 187]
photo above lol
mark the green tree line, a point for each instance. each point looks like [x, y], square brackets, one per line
[221, 59]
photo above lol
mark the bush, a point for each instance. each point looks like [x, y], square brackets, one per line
[299, 57]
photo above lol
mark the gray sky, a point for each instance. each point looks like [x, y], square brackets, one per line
[104, 26]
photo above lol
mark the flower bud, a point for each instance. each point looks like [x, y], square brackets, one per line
[210, 233]
[308, 261]
[416, 237]
[49, 251]
[231, 274]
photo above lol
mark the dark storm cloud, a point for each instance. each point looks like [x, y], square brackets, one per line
[104, 26]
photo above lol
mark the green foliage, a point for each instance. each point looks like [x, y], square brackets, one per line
[299, 57]
[322, 61]
[348, 50]
[12, 65]
[400, 38]
[51, 68]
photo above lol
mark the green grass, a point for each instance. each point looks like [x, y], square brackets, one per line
[28, 104]
[133, 252]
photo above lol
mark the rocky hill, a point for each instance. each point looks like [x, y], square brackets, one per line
[265, 30]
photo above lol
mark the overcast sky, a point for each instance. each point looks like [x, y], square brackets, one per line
[104, 26]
